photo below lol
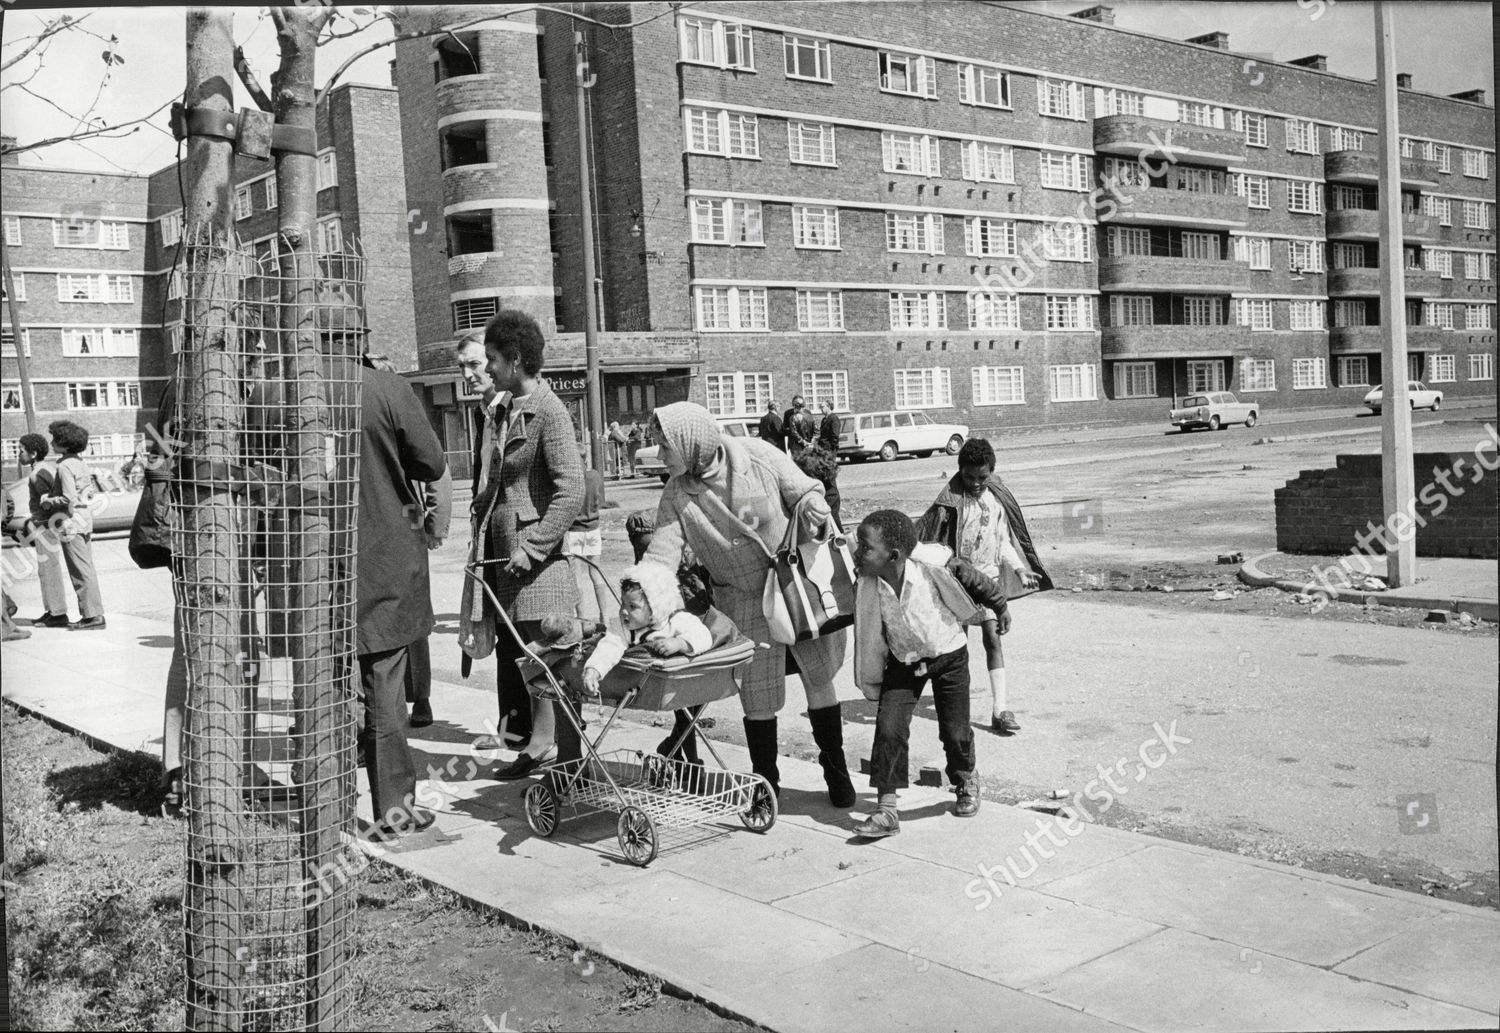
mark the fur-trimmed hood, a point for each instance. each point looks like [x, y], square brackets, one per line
[659, 582]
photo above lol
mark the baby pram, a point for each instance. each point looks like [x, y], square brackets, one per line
[649, 791]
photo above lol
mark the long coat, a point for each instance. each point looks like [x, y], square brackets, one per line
[397, 446]
[941, 522]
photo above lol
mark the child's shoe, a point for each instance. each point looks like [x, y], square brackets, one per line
[878, 825]
[968, 798]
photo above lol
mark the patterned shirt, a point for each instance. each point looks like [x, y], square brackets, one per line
[984, 536]
[917, 625]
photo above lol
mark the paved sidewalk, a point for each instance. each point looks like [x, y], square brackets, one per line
[802, 928]
[1443, 584]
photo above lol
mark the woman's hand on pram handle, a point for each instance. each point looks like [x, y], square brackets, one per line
[591, 680]
[520, 562]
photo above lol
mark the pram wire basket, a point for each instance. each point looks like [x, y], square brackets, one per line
[649, 791]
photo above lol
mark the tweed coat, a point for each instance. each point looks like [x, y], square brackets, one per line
[733, 535]
[534, 494]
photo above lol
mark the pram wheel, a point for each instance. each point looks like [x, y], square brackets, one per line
[541, 809]
[637, 834]
[761, 814]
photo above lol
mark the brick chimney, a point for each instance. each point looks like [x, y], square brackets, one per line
[1217, 40]
[1475, 96]
[1102, 14]
[1403, 80]
[1317, 62]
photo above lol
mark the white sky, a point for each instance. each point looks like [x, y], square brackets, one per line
[1448, 47]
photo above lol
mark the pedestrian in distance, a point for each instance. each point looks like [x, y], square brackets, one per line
[828, 429]
[634, 439]
[618, 441]
[976, 517]
[41, 482]
[793, 427]
[70, 499]
[912, 605]
[770, 426]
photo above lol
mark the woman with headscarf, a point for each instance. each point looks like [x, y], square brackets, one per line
[727, 502]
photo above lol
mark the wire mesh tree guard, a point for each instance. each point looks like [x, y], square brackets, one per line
[266, 432]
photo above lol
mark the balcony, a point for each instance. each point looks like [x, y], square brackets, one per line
[1416, 283]
[1171, 342]
[1366, 340]
[1138, 135]
[1164, 206]
[1364, 224]
[1364, 167]
[1143, 272]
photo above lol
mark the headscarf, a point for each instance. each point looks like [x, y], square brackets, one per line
[693, 434]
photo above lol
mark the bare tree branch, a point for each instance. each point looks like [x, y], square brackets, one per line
[101, 131]
[247, 77]
[49, 30]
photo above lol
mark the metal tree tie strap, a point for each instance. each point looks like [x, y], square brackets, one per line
[246, 130]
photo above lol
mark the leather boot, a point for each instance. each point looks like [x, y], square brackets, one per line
[688, 750]
[828, 733]
[760, 738]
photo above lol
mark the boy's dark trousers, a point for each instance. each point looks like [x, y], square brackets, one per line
[900, 690]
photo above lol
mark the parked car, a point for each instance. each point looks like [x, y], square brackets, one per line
[1214, 410]
[114, 505]
[1420, 396]
[896, 432]
[648, 465]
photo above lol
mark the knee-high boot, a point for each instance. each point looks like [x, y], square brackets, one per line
[828, 733]
[760, 738]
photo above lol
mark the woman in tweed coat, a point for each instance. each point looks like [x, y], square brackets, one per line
[727, 502]
[532, 493]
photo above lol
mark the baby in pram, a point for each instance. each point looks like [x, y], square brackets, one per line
[652, 616]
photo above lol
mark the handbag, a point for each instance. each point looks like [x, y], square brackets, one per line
[151, 531]
[809, 589]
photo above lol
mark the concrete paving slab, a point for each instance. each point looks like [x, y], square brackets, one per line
[1450, 957]
[1244, 904]
[1160, 982]
[1019, 938]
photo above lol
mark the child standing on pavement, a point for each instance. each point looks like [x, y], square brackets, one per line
[912, 605]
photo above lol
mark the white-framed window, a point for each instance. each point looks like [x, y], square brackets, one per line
[1477, 317]
[1254, 250]
[738, 393]
[330, 236]
[1252, 125]
[1303, 196]
[97, 394]
[829, 384]
[1349, 256]
[908, 74]
[1065, 171]
[1442, 369]
[811, 143]
[1255, 313]
[1472, 265]
[100, 234]
[1256, 190]
[1131, 310]
[1304, 256]
[929, 388]
[1346, 198]
[1438, 314]
[1353, 371]
[1408, 147]
[19, 279]
[1196, 113]
[10, 401]
[1203, 246]
[1129, 240]
[988, 162]
[1476, 164]
[1350, 312]
[1308, 374]
[1438, 207]
[1309, 315]
[328, 169]
[729, 133]
[998, 385]
[1118, 102]
[730, 308]
[1202, 310]
[1075, 383]
[243, 206]
[1068, 242]
[1205, 375]
[80, 287]
[914, 232]
[1070, 312]
[918, 310]
[989, 87]
[8, 341]
[171, 228]
[1482, 367]
[114, 236]
[175, 284]
[474, 312]
[1120, 172]
[12, 231]
[989, 238]
[722, 220]
[119, 289]
[910, 153]
[1443, 154]
[991, 310]
[1476, 215]
[1135, 380]
[721, 44]
[808, 58]
[1257, 374]
[1341, 139]
[1060, 98]
[272, 200]
[815, 226]
[819, 310]
[1440, 262]
[96, 342]
[1301, 136]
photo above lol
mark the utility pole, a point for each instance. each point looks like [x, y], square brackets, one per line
[584, 79]
[1395, 430]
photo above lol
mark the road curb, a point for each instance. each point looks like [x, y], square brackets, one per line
[1251, 574]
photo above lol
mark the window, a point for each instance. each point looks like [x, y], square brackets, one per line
[1198, 114]
[1202, 310]
[1340, 139]
[79, 287]
[738, 394]
[474, 312]
[930, 388]
[1065, 171]
[171, 228]
[1351, 312]
[989, 238]
[1060, 98]
[1476, 164]
[1482, 367]
[1408, 147]
[989, 310]
[330, 236]
[1120, 172]
[1438, 315]
[1438, 207]
[1304, 256]
[243, 207]
[1255, 250]
[1471, 266]
[1349, 256]
[91, 233]
[815, 226]
[1072, 383]
[175, 285]
[1476, 215]
[1476, 317]
[1303, 196]
[730, 308]
[1204, 246]
[1258, 375]
[908, 231]
[8, 341]
[271, 199]
[989, 87]
[832, 385]
[12, 231]
[808, 59]
[1070, 241]
[1131, 240]
[104, 395]
[19, 279]
[1309, 373]
[1440, 262]
[1205, 375]
[1256, 190]
[10, 401]
[1135, 380]
[1117, 102]
[723, 132]
[810, 143]
[119, 289]
[1254, 313]
[1070, 312]
[1444, 156]
[911, 154]
[114, 236]
[1347, 198]
[820, 310]
[1309, 315]
[988, 162]
[1441, 369]
[1253, 126]
[328, 170]
[1353, 371]
[1301, 136]
[722, 44]
[724, 221]
[1131, 310]
[918, 310]
[906, 73]
[998, 385]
